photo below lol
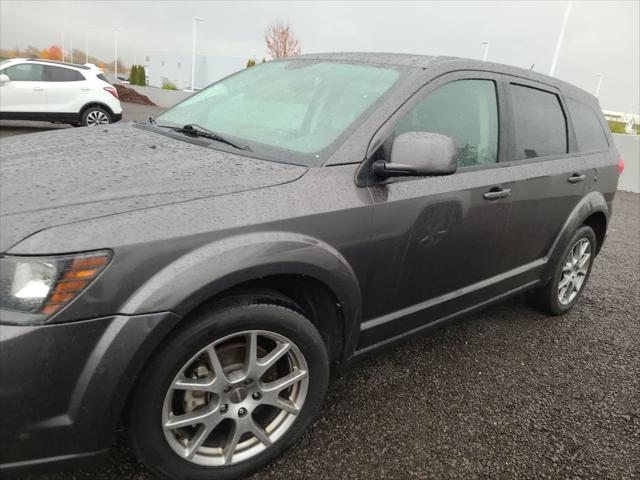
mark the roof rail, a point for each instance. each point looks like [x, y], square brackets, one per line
[56, 62]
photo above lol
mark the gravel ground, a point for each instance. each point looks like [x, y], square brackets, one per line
[506, 393]
[130, 112]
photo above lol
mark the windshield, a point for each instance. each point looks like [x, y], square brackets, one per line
[288, 111]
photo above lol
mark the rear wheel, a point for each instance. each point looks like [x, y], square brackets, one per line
[94, 117]
[570, 275]
[230, 392]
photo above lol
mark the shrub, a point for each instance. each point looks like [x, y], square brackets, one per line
[167, 85]
[251, 62]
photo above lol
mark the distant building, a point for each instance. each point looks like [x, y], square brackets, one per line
[175, 67]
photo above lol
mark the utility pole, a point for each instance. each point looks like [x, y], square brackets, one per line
[599, 75]
[115, 54]
[193, 53]
[560, 38]
[486, 49]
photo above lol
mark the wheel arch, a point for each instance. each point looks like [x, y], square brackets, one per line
[87, 105]
[592, 210]
[308, 274]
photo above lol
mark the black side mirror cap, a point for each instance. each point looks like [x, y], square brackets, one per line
[419, 154]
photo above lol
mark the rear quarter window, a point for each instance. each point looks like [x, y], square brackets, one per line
[540, 127]
[61, 74]
[587, 127]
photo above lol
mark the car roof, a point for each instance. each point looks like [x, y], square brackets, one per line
[55, 62]
[428, 62]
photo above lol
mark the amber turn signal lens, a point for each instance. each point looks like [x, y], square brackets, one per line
[50, 309]
[61, 297]
[80, 274]
[70, 286]
[88, 262]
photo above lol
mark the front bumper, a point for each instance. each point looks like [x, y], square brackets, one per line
[116, 117]
[63, 386]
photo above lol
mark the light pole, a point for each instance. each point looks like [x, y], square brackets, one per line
[486, 49]
[599, 75]
[71, 49]
[560, 37]
[62, 46]
[115, 54]
[86, 48]
[193, 53]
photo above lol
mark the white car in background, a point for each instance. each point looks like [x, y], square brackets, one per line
[46, 90]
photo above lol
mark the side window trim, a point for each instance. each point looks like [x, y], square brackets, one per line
[387, 128]
[572, 148]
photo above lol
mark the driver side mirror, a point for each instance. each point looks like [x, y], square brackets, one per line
[4, 78]
[416, 154]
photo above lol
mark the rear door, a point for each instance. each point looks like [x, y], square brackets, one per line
[550, 175]
[440, 239]
[66, 90]
[25, 90]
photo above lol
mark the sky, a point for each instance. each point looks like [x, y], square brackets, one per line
[602, 37]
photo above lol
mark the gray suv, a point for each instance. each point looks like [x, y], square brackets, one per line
[199, 276]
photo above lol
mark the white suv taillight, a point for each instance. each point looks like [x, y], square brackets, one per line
[112, 91]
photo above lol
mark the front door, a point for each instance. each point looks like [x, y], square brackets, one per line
[25, 92]
[440, 239]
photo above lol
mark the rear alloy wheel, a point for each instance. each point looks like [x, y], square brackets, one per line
[229, 392]
[570, 276]
[94, 117]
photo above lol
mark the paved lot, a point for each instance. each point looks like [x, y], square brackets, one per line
[130, 112]
[506, 393]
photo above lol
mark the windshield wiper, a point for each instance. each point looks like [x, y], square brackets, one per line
[195, 130]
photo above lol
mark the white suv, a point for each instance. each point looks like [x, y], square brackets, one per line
[34, 89]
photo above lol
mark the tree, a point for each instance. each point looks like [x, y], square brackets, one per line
[251, 62]
[281, 41]
[54, 52]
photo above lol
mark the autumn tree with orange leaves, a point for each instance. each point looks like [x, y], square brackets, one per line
[281, 41]
[54, 52]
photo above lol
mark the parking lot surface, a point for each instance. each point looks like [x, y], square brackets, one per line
[130, 112]
[506, 393]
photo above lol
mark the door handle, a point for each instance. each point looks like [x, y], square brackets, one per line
[576, 178]
[38, 89]
[85, 89]
[496, 192]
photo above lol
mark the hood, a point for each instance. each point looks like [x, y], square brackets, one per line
[58, 177]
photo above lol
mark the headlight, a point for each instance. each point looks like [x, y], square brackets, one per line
[37, 287]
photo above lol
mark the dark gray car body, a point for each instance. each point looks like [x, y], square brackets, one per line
[369, 261]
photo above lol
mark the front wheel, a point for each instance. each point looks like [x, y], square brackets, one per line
[230, 392]
[570, 275]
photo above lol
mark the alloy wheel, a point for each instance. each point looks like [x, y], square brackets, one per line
[97, 117]
[235, 398]
[574, 271]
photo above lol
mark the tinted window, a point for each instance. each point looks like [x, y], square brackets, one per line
[587, 127]
[539, 123]
[25, 72]
[102, 77]
[465, 110]
[60, 74]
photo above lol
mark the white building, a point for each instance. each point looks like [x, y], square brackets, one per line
[175, 67]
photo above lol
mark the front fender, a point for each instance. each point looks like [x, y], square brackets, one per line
[591, 203]
[211, 269]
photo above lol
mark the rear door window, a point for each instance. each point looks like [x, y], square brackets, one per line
[61, 74]
[587, 127]
[25, 72]
[540, 127]
[466, 111]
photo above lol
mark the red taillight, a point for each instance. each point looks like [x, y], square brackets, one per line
[620, 166]
[112, 91]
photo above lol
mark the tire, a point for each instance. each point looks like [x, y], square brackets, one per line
[156, 404]
[94, 117]
[549, 298]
